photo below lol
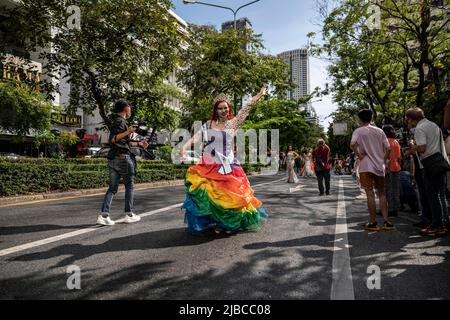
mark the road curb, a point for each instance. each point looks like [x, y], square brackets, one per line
[84, 192]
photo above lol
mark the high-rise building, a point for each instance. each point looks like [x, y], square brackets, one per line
[241, 24]
[298, 62]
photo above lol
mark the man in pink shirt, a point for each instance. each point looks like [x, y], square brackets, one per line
[372, 148]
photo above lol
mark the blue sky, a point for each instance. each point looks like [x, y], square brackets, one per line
[283, 25]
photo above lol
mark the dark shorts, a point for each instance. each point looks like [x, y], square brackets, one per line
[370, 180]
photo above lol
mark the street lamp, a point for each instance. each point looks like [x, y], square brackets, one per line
[215, 5]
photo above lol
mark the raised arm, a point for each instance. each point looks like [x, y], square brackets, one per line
[237, 121]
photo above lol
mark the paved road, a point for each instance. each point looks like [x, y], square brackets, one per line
[311, 248]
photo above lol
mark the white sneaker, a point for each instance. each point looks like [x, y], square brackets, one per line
[105, 221]
[132, 218]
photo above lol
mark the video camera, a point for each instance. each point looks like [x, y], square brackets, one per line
[140, 131]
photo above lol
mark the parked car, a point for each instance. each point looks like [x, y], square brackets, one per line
[140, 153]
[92, 151]
[10, 155]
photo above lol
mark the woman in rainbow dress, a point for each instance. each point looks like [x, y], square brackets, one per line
[218, 193]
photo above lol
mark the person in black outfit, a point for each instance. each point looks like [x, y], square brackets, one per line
[121, 164]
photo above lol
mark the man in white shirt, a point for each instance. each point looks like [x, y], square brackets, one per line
[428, 142]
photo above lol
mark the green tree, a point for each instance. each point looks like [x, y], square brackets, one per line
[22, 109]
[340, 144]
[389, 67]
[363, 73]
[124, 48]
[420, 29]
[151, 106]
[286, 116]
[216, 63]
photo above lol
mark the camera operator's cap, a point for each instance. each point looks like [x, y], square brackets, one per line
[320, 141]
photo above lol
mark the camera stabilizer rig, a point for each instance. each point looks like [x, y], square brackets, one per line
[143, 132]
[139, 130]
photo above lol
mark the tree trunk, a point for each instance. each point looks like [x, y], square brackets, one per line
[96, 92]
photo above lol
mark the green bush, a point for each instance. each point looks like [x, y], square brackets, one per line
[88, 179]
[30, 175]
[165, 153]
[26, 178]
[87, 167]
[23, 109]
[39, 161]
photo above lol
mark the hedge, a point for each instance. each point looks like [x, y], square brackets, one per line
[99, 161]
[30, 175]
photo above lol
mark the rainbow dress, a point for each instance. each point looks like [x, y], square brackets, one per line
[218, 193]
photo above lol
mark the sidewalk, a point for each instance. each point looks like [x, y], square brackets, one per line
[25, 199]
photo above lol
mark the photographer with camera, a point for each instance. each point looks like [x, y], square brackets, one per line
[121, 163]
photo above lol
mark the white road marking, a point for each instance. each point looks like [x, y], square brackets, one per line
[342, 284]
[63, 236]
[296, 188]
[262, 184]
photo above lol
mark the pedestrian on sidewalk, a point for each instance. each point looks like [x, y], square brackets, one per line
[322, 166]
[408, 193]
[308, 167]
[429, 147]
[393, 172]
[121, 163]
[371, 146]
[291, 156]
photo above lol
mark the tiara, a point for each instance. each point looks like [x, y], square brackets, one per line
[221, 97]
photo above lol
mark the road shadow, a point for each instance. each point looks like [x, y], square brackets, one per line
[167, 280]
[297, 268]
[160, 239]
[13, 230]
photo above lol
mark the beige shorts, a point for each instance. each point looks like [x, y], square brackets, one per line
[370, 180]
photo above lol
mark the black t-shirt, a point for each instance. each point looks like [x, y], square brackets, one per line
[120, 125]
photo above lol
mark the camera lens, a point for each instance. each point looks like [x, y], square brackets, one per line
[141, 132]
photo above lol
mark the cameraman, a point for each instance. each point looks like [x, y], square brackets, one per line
[121, 163]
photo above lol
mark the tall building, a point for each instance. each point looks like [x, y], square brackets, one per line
[241, 24]
[298, 62]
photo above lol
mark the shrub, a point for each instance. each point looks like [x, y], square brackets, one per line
[30, 175]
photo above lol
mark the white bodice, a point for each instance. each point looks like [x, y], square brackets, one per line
[219, 140]
[219, 145]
